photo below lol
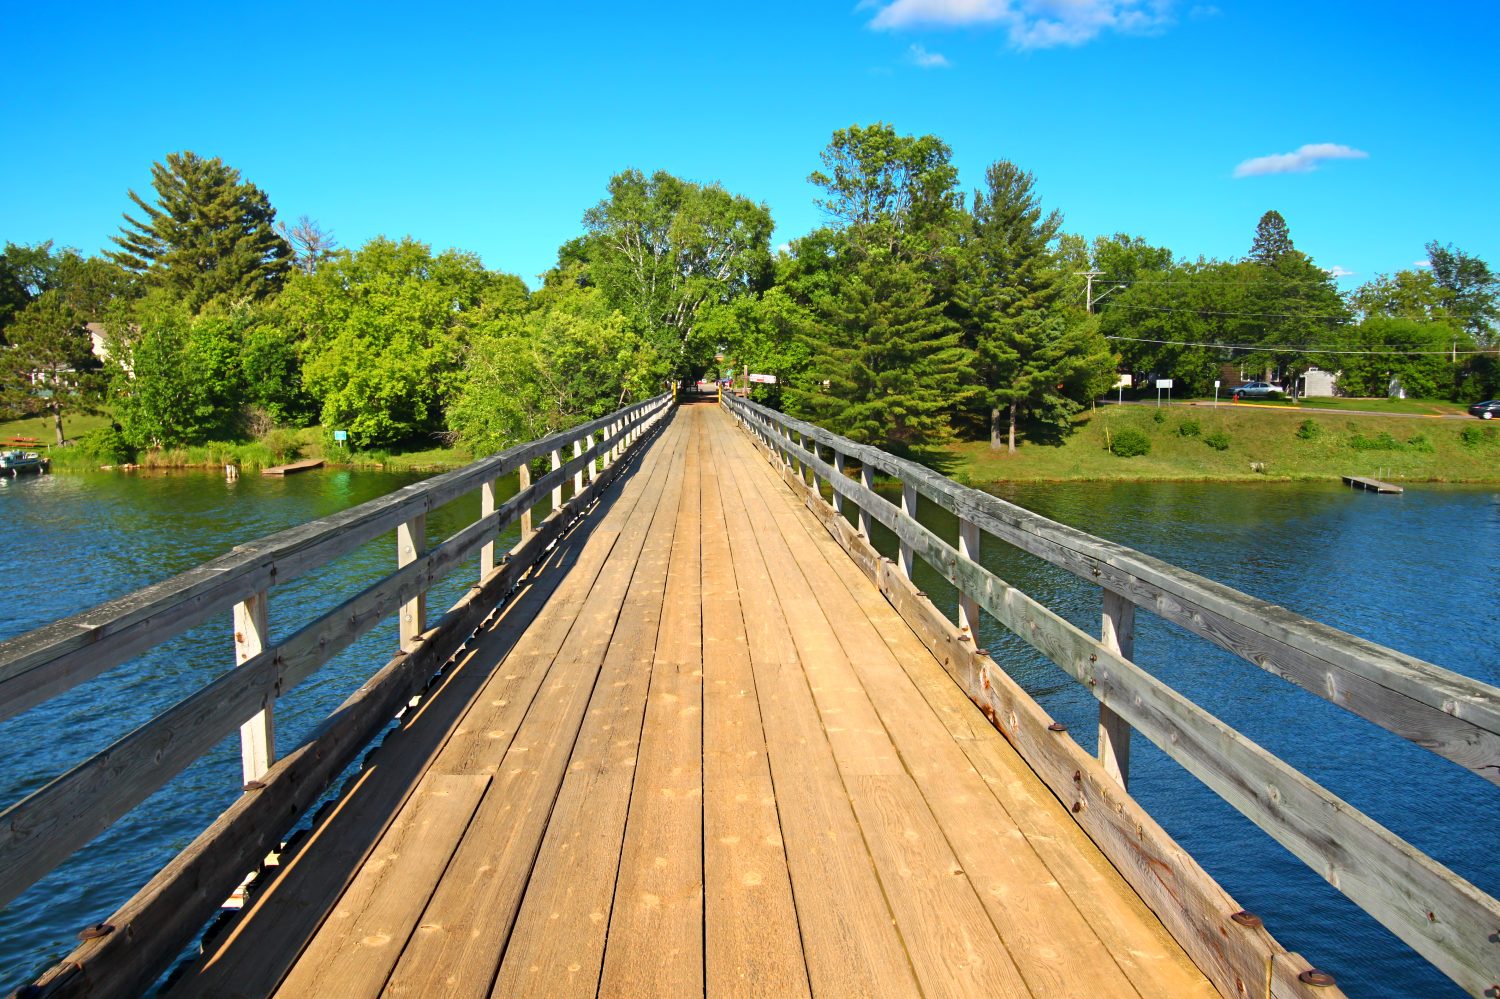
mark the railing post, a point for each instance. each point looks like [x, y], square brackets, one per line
[557, 489]
[411, 542]
[838, 497]
[523, 483]
[866, 520]
[1117, 634]
[258, 735]
[578, 475]
[487, 506]
[968, 607]
[908, 507]
[593, 462]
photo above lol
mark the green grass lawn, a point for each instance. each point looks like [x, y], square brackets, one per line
[1394, 448]
[41, 428]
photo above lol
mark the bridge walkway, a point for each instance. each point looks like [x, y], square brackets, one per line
[698, 754]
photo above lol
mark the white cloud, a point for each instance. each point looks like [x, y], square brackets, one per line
[927, 60]
[1421, 263]
[1338, 272]
[1304, 160]
[1031, 24]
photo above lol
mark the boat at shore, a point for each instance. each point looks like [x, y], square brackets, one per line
[21, 462]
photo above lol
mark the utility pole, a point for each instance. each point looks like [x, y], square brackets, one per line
[1088, 291]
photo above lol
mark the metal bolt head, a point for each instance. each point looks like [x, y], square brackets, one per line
[1057, 727]
[1249, 919]
[1320, 979]
[95, 932]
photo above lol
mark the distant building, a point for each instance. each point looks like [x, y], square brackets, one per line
[1319, 383]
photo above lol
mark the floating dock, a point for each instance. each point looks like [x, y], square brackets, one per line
[294, 467]
[1371, 485]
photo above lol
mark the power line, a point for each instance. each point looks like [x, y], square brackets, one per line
[1272, 348]
[1250, 315]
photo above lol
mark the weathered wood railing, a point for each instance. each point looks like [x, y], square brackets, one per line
[44, 829]
[1450, 922]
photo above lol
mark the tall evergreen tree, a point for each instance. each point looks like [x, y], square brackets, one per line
[51, 360]
[209, 237]
[1034, 353]
[886, 365]
[1273, 240]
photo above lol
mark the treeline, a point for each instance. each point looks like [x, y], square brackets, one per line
[918, 313]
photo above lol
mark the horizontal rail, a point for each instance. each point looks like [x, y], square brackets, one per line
[50, 660]
[1446, 919]
[151, 929]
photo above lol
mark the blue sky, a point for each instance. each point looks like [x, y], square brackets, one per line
[492, 128]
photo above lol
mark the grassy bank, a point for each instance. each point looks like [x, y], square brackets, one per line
[1244, 442]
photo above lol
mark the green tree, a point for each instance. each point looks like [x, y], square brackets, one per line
[209, 236]
[381, 333]
[1410, 352]
[1177, 324]
[1031, 349]
[177, 378]
[898, 192]
[1273, 240]
[886, 365]
[50, 362]
[662, 249]
[1470, 290]
[1294, 310]
[567, 360]
[1409, 294]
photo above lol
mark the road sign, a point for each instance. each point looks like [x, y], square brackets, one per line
[341, 435]
[1164, 383]
[764, 379]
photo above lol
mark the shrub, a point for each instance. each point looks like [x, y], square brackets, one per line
[1158, 416]
[1421, 442]
[1189, 428]
[1476, 436]
[1382, 441]
[1218, 440]
[1129, 443]
[1310, 430]
[107, 446]
[283, 445]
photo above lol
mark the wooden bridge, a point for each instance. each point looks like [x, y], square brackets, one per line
[694, 735]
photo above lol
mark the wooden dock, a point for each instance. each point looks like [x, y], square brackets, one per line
[295, 467]
[713, 760]
[1371, 485]
[695, 735]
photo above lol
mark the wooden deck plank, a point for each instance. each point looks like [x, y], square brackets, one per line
[656, 923]
[393, 886]
[557, 945]
[954, 947]
[752, 946]
[848, 933]
[457, 946]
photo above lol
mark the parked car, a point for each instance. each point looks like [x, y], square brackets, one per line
[1256, 390]
[1487, 410]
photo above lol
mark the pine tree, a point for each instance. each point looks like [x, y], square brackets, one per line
[1273, 240]
[1033, 352]
[887, 366]
[210, 236]
[51, 358]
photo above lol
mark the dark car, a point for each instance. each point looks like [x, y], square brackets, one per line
[1256, 390]
[1486, 410]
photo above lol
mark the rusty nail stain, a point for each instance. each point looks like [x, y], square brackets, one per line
[1249, 919]
[239, 636]
[1431, 918]
[254, 785]
[1093, 658]
[1057, 727]
[981, 652]
[95, 932]
[1077, 776]
[1312, 976]
[1077, 807]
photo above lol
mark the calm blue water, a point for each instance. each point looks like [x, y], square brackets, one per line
[1415, 572]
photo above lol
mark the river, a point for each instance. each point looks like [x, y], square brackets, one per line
[1417, 572]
